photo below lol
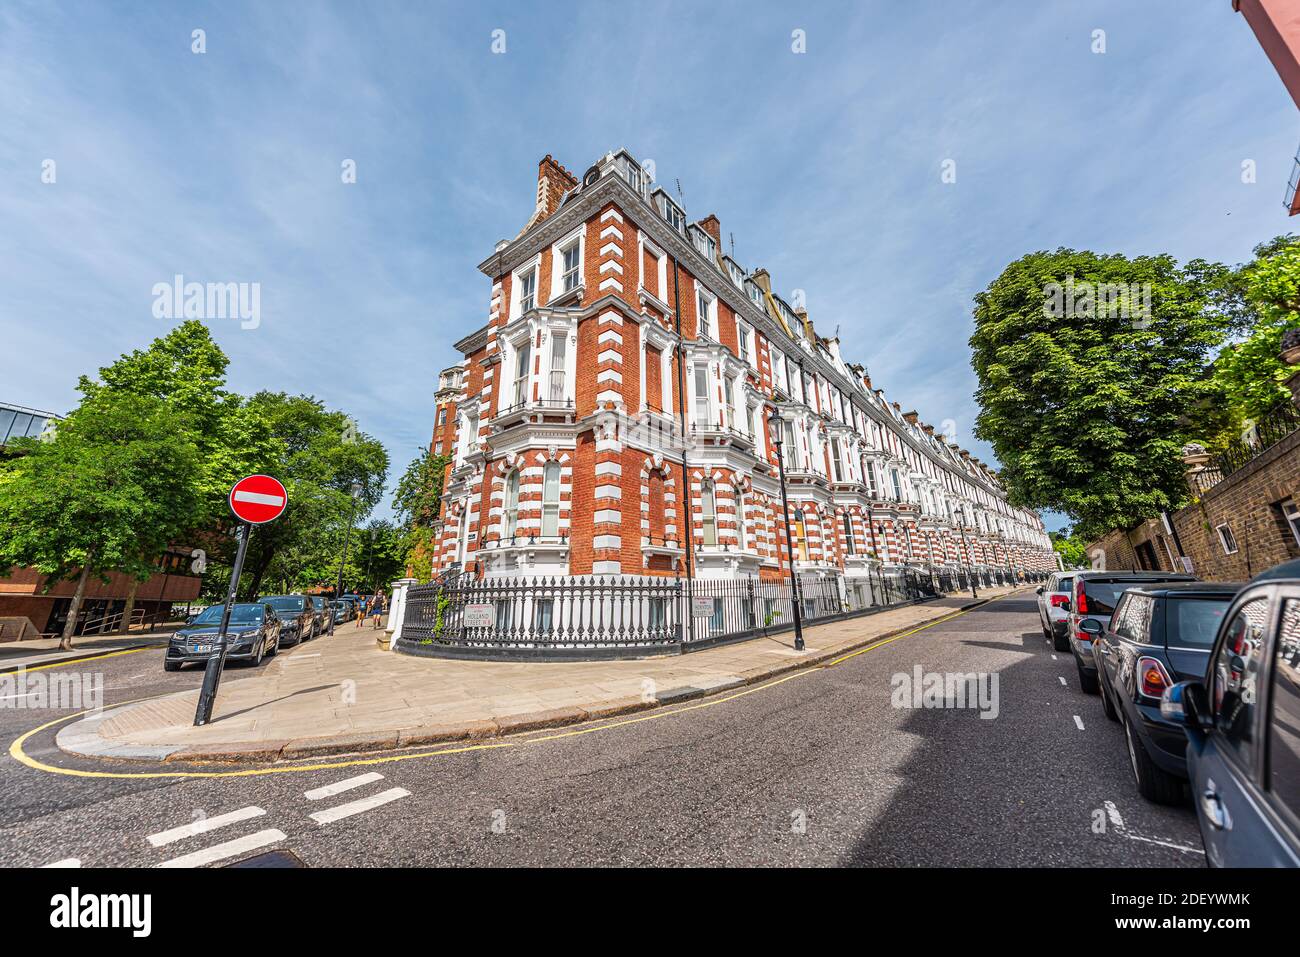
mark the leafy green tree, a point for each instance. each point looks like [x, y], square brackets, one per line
[1073, 550]
[1088, 400]
[320, 459]
[1250, 373]
[417, 502]
[112, 489]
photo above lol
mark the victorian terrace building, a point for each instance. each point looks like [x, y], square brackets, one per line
[614, 409]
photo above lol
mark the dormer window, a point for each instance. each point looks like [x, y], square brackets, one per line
[755, 293]
[670, 211]
[704, 243]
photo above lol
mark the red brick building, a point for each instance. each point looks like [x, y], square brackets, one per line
[615, 406]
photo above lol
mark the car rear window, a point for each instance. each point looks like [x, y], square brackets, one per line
[1193, 622]
[1104, 596]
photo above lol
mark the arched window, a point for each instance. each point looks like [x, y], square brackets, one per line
[709, 513]
[551, 500]
[657, 506]
[741, 538]
[512, 503]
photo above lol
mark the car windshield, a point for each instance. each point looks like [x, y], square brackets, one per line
[239, 615]
[286, 603]
[1193, 622]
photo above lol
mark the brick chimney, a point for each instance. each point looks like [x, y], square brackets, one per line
[553, 181]
[713, 227]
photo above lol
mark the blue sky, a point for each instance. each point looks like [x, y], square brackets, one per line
[225, 167]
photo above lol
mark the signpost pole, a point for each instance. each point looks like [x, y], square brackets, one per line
[212, 672]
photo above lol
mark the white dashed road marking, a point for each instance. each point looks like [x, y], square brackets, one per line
[66, 862]
[338, 787]
[330, 815]
[202, 826]
[220, 852]
[1060, 679]
[1079, 722]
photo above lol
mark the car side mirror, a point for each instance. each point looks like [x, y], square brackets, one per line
[1038, 590]
[1066, 604]
[1188, 703]
[1091, 626]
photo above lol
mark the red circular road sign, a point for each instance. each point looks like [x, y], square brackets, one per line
[258, 499]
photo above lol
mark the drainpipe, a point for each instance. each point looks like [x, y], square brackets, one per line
[688, 504]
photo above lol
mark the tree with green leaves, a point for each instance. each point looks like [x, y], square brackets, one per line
[321, 459]
[1071, 548]
[417, 502]
[112, 489]
[1091, 368]
[1250, 372]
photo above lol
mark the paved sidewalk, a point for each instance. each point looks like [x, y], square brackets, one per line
[345, 694]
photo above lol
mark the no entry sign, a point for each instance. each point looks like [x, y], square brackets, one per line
[258, 499]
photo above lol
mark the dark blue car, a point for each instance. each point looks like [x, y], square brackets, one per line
[1160, 634]
[1243, 728]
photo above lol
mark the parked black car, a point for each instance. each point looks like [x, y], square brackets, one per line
[252, 632]
[1160, 634]
[1243, 728]
[345, 609]
[323, 612]
[297, 614]
[1095, 595]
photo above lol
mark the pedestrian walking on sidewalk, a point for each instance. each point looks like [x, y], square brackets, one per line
[377, 610]
[361, 610]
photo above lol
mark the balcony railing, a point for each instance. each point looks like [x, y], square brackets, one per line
[1270, 429]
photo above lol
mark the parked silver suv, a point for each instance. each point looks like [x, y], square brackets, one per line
[1054, 608]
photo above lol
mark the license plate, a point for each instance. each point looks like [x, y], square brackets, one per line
[203, 649]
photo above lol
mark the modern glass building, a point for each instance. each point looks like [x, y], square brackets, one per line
[17, 422]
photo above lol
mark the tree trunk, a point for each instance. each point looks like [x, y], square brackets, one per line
[70, 626]
[125, 625]
[259, 570]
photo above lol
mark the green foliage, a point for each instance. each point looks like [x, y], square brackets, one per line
[112, 489]
[417, 502]
[320, 459]
[1088, 410]
[1071, 548]
[1250, 373]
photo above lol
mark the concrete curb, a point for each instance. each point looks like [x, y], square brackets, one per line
[83, 740]
[75, 657]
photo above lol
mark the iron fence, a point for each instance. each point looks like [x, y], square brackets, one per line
[624, 616]
[1268, 430]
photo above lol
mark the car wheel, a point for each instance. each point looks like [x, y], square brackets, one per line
[261, 652]
[1153, 782]
[1107, 708]
[171, 665]
[275, 648]
[1087, 682]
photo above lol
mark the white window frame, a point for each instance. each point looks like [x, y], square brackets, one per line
[1224, 539]
[576, 238]
[1291, 512]
[710, 317]
[708, 513]
[516, 286]
[510, 510]
[551, 508]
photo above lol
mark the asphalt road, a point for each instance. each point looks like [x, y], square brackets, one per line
[816, 768]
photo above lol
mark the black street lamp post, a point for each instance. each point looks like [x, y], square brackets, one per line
[778, 424]
[961, 526]
[347, 538]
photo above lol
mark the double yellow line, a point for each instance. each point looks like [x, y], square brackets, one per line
[17, 752]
